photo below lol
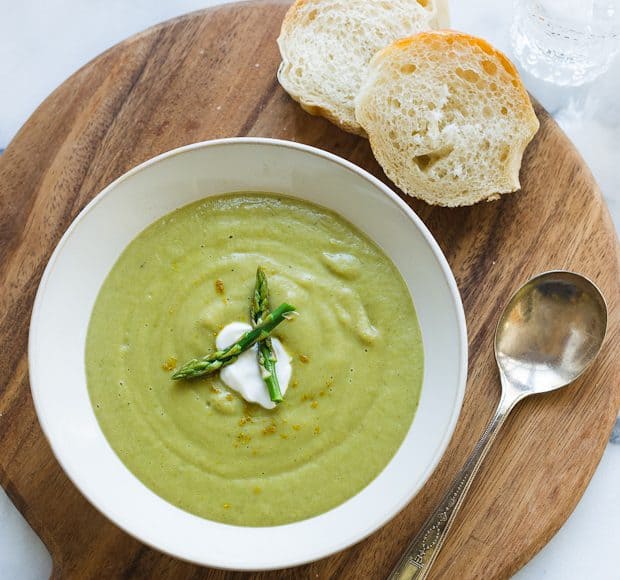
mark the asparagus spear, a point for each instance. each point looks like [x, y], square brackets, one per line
[221, 358]
[259, 309]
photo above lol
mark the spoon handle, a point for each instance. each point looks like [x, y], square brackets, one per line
[423, 549]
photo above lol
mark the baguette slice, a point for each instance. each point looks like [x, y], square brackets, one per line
[447, 117]
[326, 46]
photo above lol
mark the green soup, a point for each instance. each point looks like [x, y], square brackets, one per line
[356, 348]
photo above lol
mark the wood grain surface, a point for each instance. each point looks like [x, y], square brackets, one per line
[213, 74]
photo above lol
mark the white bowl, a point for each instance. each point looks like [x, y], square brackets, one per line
[91, 246]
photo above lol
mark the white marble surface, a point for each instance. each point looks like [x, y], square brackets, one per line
[43, 41]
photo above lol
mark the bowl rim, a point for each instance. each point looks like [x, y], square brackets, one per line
[312, 555]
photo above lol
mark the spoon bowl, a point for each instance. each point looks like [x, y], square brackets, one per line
[550, 332]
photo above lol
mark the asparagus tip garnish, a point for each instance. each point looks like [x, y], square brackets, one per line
[266, 357]
[215, 361]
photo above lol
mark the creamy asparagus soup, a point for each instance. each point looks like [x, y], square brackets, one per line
[353, 350]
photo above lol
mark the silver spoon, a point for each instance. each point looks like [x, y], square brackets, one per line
[550, 332]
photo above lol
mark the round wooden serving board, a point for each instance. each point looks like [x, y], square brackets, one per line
[213, 74]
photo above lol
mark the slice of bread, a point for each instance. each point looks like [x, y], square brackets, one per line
[447, 117]
[326, 46]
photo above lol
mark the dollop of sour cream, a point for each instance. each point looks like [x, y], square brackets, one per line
[244, 374]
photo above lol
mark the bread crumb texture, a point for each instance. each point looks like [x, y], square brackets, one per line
[326, 46]
[447, 116]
